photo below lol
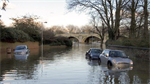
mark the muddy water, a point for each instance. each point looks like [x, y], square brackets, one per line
[69, 66]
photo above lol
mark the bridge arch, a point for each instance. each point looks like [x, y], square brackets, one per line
[87, 39]
[74, 39]
[80, 37]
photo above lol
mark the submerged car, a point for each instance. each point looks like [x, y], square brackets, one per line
[21, 57]
[93, 53]
[115, 58]
[21, 50]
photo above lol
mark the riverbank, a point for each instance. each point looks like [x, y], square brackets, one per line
[131, 47]
[130, 43]
[31, 45]
[12, 46]
[134, 52]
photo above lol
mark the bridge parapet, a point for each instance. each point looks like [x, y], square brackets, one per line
[81, 37]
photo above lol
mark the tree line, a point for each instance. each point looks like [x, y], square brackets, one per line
[28, 28]
[132, 15]
[111, 16]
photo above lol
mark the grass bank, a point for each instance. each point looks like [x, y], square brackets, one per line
[143, 43]
[139, 47]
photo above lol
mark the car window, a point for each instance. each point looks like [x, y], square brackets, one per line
[112, 54]
[104, 52]
[121, 54]
[96, 51]
[117, 54]
[89, 51]
[20, 47]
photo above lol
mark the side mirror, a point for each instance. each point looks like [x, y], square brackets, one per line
[86, 52]
[107, 55]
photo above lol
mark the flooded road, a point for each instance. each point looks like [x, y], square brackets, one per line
[69, 66]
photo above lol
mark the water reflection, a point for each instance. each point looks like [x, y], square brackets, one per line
[124, 78]
[101, 74]
[9, 56]
[136, 80]
[68, 66]
[115, 71]
[93, 62]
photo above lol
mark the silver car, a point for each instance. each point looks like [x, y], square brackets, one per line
[21, 50]
[21, 57]
[115, 58]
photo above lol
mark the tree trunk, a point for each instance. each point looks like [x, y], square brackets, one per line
[145, 20]
[101, 45]
[133, 22]
[117, 23]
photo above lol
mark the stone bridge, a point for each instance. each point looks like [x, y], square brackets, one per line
[82, 38]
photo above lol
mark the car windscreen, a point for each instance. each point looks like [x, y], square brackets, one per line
[20, 47]
[96, 51]
[117, 54]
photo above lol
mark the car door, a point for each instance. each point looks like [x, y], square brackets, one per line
[28, 51]
[102, 57]
[88, 53]
[105, 57]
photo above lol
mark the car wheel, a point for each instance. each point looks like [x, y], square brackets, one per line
[109, 65]
[99, 61]
[90, 57]
[85, 56]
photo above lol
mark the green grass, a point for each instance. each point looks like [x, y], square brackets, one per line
[130, 42]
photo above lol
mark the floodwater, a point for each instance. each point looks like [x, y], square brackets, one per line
[69, 66]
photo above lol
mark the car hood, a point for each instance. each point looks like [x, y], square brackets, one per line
[122, 60]
[19, 50]
[95, 54]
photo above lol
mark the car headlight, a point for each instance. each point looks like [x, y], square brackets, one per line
[23, 52]
[131, 62]
[114, 61]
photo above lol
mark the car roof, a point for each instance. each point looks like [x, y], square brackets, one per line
[22, 45]
[95, 48]
[113, 50]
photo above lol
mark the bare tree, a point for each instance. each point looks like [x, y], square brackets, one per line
[100, 29]
[58, 29]
[105, 9]
[86, 29]
[72, 29]
[145, 7]
[136, 19]
[4, 4]
[133, 7]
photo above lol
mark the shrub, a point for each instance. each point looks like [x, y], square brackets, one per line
[68, 43]
[126, 42]
[130, 42]
[57, 41]
[55, 44]
[14, 35]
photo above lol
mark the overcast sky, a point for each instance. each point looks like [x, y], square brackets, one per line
[52, 11]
